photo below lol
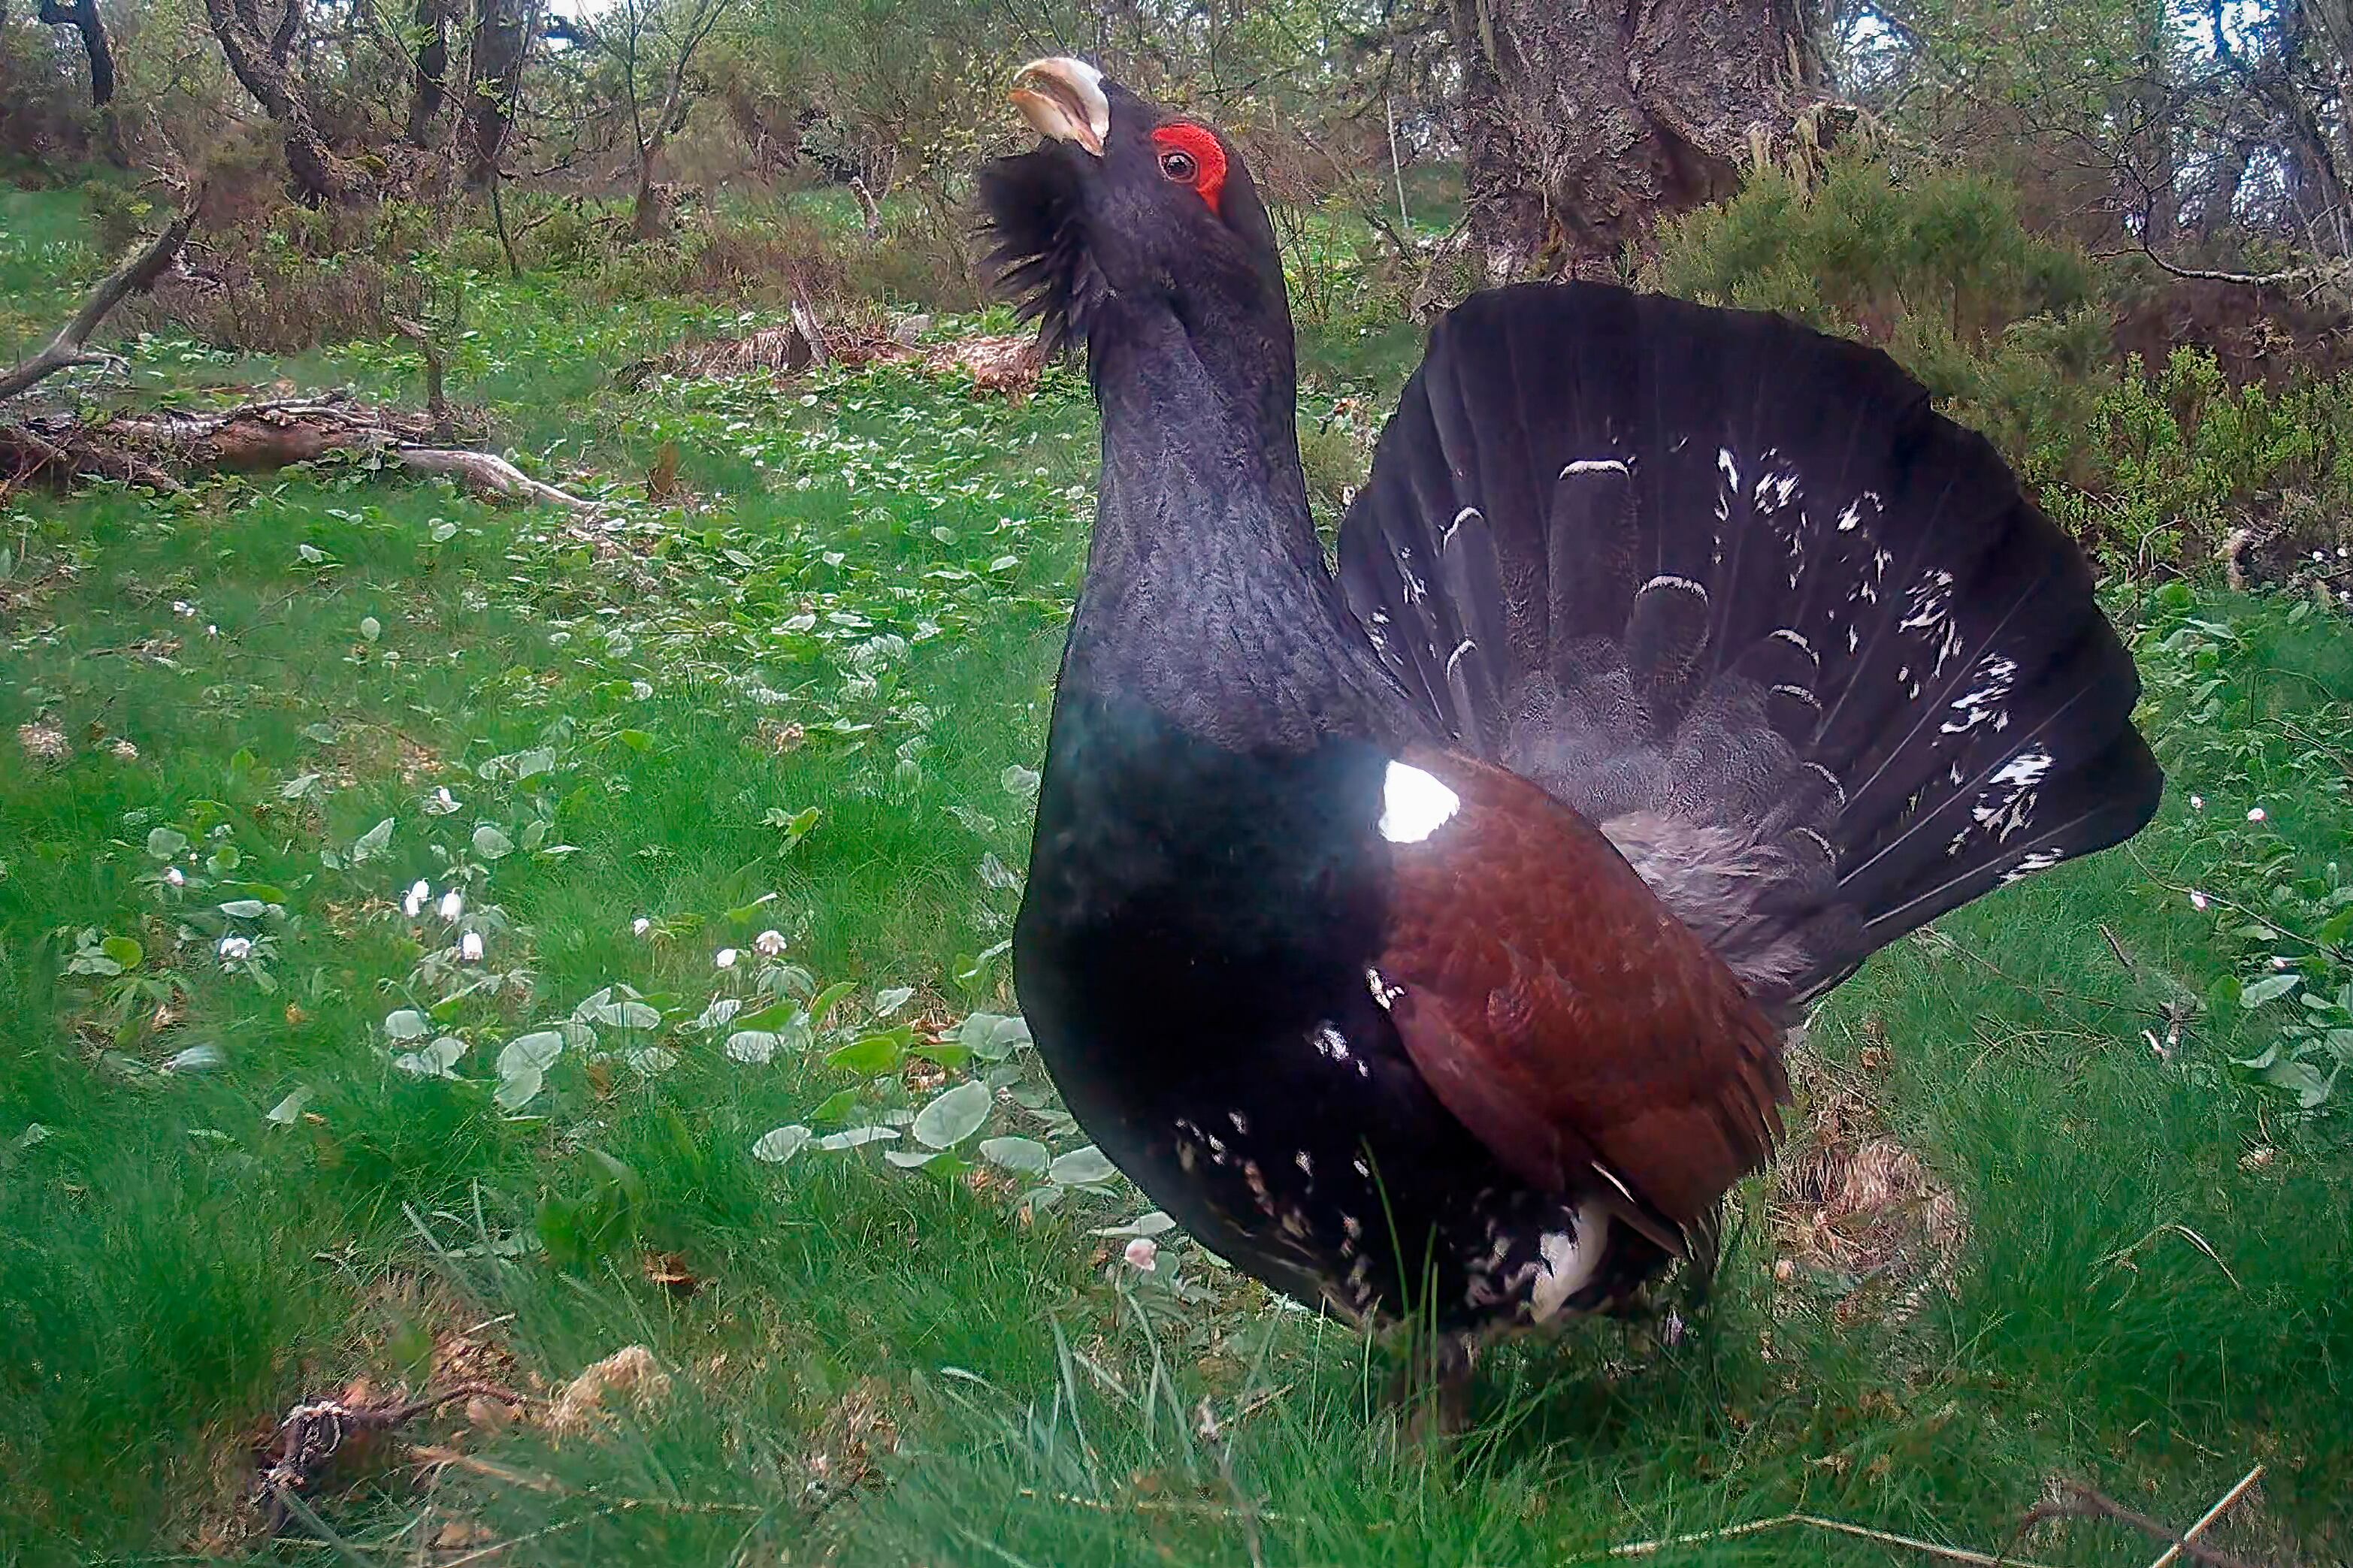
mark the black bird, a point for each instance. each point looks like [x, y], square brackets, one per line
[1421, 937]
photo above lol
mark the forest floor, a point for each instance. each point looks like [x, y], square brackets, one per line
[455, 948]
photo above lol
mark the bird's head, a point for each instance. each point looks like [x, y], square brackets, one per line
[1126, 201]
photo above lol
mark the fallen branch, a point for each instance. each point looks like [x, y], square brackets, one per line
[70, 347]
[256, 438]
[486, 474]
[1816, 1521]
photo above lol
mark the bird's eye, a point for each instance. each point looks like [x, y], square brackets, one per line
[1179, 167]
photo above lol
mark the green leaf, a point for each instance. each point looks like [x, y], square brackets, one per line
[372, 843]
[954, 1116]
[856, 1138]
[780, 1144]
[993, 1037]
[408, 1024]
[945, 1053]
[893, 998]
[490, 844]
[533, 763]
[835, 1106]
[874, 1055]
[287, 1111]
[371, 628]
[165, 843]
[123, 949]
[2269, 988]
[913, 1159]
[245, 909]
[827, 1000]
[1080, 1167]
[635, 740]
[1026, 1156]
[754, 1046]
[743, 912]
[438, 1060]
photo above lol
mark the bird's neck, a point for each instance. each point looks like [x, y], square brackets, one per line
[1207, 595]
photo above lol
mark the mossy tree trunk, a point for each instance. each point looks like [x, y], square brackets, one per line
[1586, 122]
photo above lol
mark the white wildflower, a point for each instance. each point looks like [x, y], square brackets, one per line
[184, 610]
[443, 802]
[641, 927]
[453, 904]
[124, 751]
[1143, 1255]
[43, 742]
[2197, 803]
[2256, 813]
[770, 944]
[2197, 900]
[233, 948]
[470, 947]
[175, 877]
[413, 904]
[725, 958]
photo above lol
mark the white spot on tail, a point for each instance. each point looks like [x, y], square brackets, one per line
[1466, 515]
[1595, 466]
[1383, 992]
[1414, 806]
[1570, 1262]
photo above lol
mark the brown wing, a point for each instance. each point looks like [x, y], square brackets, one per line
[1562, 1013]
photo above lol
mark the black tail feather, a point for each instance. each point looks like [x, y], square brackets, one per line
[1734, 591]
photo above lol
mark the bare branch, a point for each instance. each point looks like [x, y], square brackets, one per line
[70, 347]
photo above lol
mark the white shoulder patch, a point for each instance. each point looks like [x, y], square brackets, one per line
[1414, 804]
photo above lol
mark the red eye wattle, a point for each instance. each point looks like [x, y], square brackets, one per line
[1192, 156]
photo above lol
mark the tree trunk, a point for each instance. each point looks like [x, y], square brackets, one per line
[502, 38]
[429, 85]
[1586, 122]
[262, 66]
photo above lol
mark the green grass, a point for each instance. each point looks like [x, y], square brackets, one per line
[858, 613]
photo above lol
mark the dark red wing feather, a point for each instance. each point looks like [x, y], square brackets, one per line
[1562, 1015]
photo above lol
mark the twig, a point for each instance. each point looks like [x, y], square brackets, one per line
[2250, 279]
[1816, 1521]
[437, 403]
[2124, 1255]
[434, 1454]
[2075, 1500]
[2173, 1553]
[70, 347]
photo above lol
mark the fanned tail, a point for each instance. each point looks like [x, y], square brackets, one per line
[1731, 590]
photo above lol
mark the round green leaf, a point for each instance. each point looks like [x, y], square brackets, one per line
[1080, 1166]
[408, 1024]
[954, 1116]
[780, 1144]
[123, 949]
[164, 843]
[1025, 1156]
[490, 844]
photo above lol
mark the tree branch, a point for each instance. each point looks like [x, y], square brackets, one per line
[136, 275]
[82, 16]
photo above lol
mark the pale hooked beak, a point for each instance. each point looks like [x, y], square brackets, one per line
[1063, 99]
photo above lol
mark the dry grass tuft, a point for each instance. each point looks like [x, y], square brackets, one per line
[1853, 1205]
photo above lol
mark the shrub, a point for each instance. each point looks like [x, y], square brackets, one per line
[2153, 466]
